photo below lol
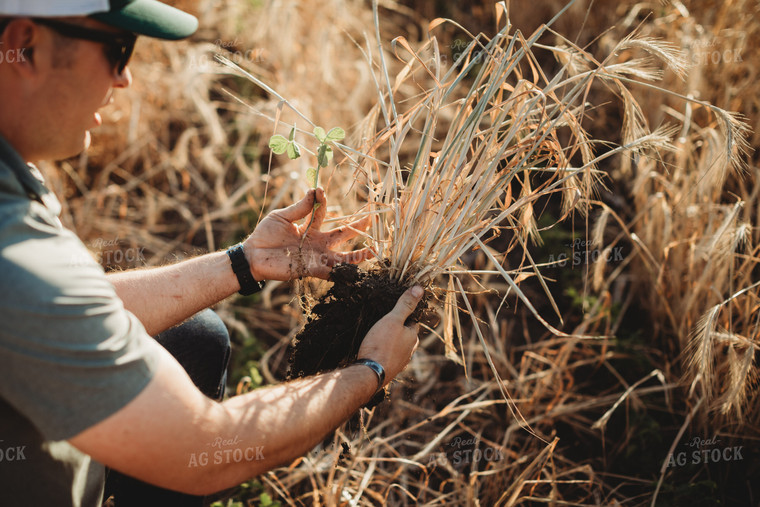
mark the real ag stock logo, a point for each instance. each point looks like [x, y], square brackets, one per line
[226, 451]
[582, 254]
[233, 51]
[705, 451]
[10, 453]
[462, 452]
[12, 55]
[108, 253]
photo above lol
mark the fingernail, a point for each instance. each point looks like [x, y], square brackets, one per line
[417, 291]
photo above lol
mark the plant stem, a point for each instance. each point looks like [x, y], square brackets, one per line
[313, 209]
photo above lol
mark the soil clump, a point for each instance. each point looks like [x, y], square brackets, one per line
[341, 319]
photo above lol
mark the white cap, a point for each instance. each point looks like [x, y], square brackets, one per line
[49, 9]
[142, 17]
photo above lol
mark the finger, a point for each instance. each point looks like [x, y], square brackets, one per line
[319, 213]
[320, 271]
[348, 231]
[407, 302]
[298, 210]
[354, 257]
[313, 263]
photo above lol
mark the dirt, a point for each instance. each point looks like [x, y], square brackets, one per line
[341, 318]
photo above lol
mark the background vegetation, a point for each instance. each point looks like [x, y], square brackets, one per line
[662, 270]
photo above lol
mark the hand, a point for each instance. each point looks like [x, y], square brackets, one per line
[389, 341]
[277, 249]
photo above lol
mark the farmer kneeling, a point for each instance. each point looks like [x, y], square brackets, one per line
[85, 386]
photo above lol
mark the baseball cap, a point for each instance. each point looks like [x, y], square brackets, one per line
[143, 17]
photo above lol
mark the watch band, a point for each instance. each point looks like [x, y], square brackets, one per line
[241, 268]
[376, 367]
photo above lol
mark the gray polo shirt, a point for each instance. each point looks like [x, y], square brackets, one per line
[70, 354]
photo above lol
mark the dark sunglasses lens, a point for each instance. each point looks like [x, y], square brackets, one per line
[119, 54]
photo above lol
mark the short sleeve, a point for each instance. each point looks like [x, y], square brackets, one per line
[70, 354]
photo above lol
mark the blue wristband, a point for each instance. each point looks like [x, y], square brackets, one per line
[374, 366]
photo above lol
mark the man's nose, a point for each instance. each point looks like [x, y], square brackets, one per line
[124, 79]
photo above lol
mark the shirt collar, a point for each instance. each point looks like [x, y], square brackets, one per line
[24, 179]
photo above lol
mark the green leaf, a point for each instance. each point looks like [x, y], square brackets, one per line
[320, 133]
[278, 144]
[311, 177]
[292, 134]
[322, 157]
[335, 134]
[265, 500]
[293, 151]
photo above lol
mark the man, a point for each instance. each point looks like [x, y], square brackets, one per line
[84, 384]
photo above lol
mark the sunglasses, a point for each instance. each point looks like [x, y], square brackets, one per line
[118, 47]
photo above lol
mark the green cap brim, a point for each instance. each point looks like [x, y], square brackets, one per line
[150, 18]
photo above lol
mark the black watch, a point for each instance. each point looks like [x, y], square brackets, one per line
[248, 284]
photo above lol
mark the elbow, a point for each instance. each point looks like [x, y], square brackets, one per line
[215, 478]
[203, 483]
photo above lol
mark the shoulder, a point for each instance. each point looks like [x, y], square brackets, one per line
[73, 355]
[37, 253]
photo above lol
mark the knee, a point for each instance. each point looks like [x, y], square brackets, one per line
[201, 345]
[210, 333]
[211, 343]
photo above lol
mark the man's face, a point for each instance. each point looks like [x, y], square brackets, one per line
[80, 81]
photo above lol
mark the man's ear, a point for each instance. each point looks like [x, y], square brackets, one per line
[18, 43]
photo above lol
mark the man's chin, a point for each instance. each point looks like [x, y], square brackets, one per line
[73, 150]
[57, 149]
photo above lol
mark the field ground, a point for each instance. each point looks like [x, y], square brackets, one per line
[654, 390]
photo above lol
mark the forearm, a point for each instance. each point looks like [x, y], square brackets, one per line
[288, 420]
[163, 435]
[160, 436]
[278, 250]
[165, 296]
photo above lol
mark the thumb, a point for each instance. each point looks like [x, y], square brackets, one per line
[300, 209]
[407, 302]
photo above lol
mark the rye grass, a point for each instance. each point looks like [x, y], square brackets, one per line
[489, 137]
[184, 170]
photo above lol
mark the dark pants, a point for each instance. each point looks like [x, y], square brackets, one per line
[202, 346]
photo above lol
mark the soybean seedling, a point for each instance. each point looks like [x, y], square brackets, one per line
[279, 145]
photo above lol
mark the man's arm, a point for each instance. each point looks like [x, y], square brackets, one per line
[277, 250]
[165, 296]
[160, 436]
